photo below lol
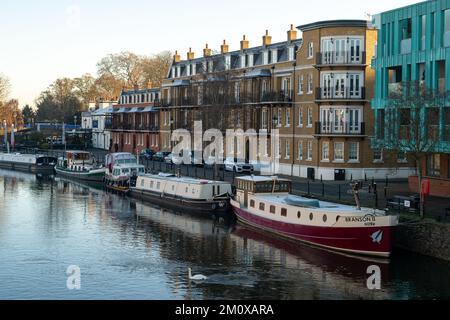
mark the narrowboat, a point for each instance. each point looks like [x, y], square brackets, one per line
[121, 169]
[32, 163]
[183, 193]
[80, 165]
[266, 203]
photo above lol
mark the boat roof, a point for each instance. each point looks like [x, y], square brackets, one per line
[128, 165]
[77, 151]
[122, 155]
[173, 178]
[261, 178]
[295, 201]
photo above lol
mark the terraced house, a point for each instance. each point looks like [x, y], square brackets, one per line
[414, 46]
[243, 89]
[135, 120]
[316, 91]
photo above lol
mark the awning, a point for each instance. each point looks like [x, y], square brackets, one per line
[148, 109]
[258, 73]
[180, 83]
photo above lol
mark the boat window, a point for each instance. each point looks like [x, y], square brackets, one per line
[218, 190]
[272, 209]
[141, 170]
[283, 212]
[152, 184]
[214, 190]
[262, 206]
[142, 182]
[158, 185]
[311, 216]
[252, 203]
[299, 214]
[173, 187]
[193, 190]
[325, 218]
[187, 189]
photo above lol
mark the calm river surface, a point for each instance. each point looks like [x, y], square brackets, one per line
[127, 249]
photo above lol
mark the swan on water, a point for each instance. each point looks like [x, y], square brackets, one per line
[197, 276]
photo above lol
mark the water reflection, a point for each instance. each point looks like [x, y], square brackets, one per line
[128, 249]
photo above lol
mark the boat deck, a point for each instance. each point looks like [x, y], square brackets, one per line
[172, 178]
[302, 202]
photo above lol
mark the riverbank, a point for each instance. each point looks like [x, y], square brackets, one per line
[426, 237]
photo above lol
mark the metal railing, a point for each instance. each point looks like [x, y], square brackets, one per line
[342, 128]
[336, 58]
[343, 93]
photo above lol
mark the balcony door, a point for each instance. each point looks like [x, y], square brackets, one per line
[339, 85]
[339, 121]
[327, 86]
[354, 121]
[326, 120]
[355, 85]
[340, 52]
[355, 55]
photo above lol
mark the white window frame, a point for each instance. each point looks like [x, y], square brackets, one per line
[287, 150]
[335, 159]
[310, 84]
[288, 118]
[352, 143]
[381, 159]
[309, 152]
[326, 151]
[310, 50]
[310, 117]
[301, 84]
[300, 117]
[300, 151]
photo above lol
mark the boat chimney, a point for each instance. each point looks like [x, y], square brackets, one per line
[355, 190]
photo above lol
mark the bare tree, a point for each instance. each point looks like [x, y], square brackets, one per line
[411, 123]
[4, 88]
[11, 112]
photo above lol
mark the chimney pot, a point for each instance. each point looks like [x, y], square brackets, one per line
[244, 44]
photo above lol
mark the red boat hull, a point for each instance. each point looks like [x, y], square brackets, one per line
[356, 240]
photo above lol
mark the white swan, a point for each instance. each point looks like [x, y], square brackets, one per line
[197, 276]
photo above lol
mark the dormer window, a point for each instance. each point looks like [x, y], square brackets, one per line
[291, 54]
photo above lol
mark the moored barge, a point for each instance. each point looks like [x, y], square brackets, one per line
[32, 163]
[266, 203]
[183, 193]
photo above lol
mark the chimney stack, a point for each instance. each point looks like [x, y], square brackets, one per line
[224, 48]
[207, 51]
[176, 57]
[267, 40]
[292, 34]
[244, 44]
[190, 55]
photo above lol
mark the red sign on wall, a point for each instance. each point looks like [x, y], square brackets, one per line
[425, 188]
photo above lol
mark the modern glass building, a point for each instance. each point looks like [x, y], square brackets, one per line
[414, 46]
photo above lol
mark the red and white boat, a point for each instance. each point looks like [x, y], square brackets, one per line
[266, 203]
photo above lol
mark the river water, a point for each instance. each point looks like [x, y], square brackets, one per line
[127, 249]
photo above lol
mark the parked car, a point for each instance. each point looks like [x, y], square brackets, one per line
[147, 154]
[238, 166]
[211, 163]
[169, 158]
[160, 156]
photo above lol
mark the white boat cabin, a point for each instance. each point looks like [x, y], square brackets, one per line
[270, 198]
[27, 159]
[183, 187]
[123, 164]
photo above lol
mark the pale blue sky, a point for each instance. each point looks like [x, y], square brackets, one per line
[43, 40]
